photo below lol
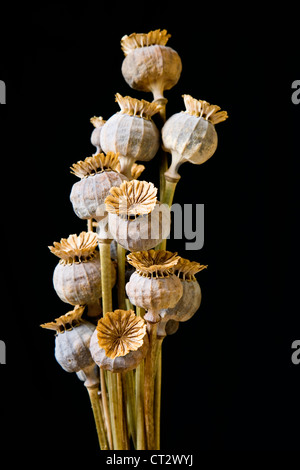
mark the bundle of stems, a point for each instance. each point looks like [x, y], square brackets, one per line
[130, 402]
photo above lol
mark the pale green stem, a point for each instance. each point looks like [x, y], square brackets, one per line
[163, 158]
[106, 408]
[169, 192]
[157, 393]
[149, 386]
[122, 438]
[129, 305]
[106, 276]
[95, 402]
[113, 408]
[140, 418]
[139, 391]
[121, 276]
[129, 391]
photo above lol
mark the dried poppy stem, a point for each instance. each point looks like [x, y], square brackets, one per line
[139, 391]
[170, 187]
[107, 306]
[113, 408]
[121, 276]
[157, 393]
[168, 195]
[120, 419]
[129, 395]
[90, 225]
[93, 394]
[140, 421]
[163, 158]
[106, 408]
[149, 386]
[105, 275]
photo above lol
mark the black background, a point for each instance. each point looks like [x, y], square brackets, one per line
[228, 379]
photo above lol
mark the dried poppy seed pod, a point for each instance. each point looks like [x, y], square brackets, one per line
[191, 297]
[97, 175]
[191, 136]
[120, 341]
[98, 123]
[149, 64]
[77, 276]
[153, 286]
[137, 221]
[131, 132]
[72, 341]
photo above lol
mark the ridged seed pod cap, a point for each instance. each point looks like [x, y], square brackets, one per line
[137, 221]
[120, 341]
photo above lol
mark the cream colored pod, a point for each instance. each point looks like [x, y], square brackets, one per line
[98, 123]
[153, 286]
[97, 175]
[131, 132]
[149, 64]
[72, 343]
[137, 221]
[191, 136]
[77, 276]
[190, 301]
[120, 341]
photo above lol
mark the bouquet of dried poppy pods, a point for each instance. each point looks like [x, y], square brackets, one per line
[126, 290]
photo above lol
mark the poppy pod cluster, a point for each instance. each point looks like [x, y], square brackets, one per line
[127, 291]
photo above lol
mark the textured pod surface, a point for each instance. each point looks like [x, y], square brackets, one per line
[131, 136]
[78, 283]
[72, 348]
[154, 68]
[88, 194]
[154, 293]
[118, 364]
[144, 232]
[187, 305]
[193, 138]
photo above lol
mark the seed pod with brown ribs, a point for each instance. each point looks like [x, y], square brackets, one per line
[97, 175]
[149, 64]
[191, 297]
[72, 340]
[153, 286]
[131, 132]
[191, 136]
[77, 276]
